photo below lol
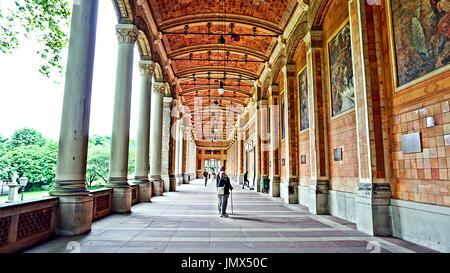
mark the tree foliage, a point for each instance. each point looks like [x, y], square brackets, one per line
[98, 163]
[44, 20]
[25, 137]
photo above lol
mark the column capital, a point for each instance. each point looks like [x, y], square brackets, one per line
[313, 39]
[161, 88]
[147, 67]
[288, 68]
[127, 33]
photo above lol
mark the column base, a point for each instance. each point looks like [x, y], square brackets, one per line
[186, 179]
[257, 187]
[121, 199]
[145, 188]
[372, 209]
[179, 179]
[318, 197]
[172, 183]
[289, 191]
[74, 215]
[274, 188]
[158, 186]
[240, 179]
[166, 182]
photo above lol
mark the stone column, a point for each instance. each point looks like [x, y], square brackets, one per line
[143, 134]
[159, 90]
[374, 189]
[185, 162]
[75, 204]
[166, 140]
[264, 141]
[274, 171]
[289, 188]
[320, 184]
[177, 151]
[240, 152]
[180, 152]
[118, 166]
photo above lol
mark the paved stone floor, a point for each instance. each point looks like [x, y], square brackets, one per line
[188, 221]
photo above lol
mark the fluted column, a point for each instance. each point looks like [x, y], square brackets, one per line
[166, 143]
[159, 89]
[274, 168]
[177, 151]
[118, 167]
[319, 185]
[181, 152]
[147, 69]
[289, 187]
[75, 204]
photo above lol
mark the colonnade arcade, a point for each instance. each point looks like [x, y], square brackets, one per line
[314, 101]
[161, 126]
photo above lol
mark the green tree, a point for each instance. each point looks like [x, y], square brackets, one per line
[25, 137]
[38, 163]
[46, 21]
[98, 163]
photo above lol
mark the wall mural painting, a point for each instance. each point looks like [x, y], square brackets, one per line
[341, 72]
[303, 86]
[421, 36]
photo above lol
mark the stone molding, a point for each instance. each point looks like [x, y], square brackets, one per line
[127, 33]
[160, 88]
[147, 67]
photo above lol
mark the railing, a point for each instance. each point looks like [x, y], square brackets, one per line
[102, 203]
[26, 223]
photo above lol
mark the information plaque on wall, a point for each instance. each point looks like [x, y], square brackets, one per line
[411, 143]
[282, 162]
[337, 154]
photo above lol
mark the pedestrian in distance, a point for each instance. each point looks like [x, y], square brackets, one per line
[223, 192]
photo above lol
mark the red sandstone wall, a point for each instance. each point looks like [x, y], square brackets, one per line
[342, 129]
[304, 149]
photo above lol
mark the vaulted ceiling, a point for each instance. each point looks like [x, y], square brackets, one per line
[189, 31]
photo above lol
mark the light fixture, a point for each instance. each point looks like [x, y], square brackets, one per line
[221, 40]
[221, 89]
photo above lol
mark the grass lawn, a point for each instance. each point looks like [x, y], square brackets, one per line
[26, 196]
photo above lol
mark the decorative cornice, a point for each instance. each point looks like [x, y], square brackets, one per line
[147, 67]
[313, 39]
[127, 33]
[160, 88]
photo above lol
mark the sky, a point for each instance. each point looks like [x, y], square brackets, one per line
[29, 99]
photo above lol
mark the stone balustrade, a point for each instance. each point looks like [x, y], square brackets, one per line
[27, 223]
[23, 224]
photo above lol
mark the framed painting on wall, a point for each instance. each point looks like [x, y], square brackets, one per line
[303, 92]
[341, 72]
[420, 39]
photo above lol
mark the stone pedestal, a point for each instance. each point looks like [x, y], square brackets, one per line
[274, 188]
[158, 186]
[13, 194]
[372, 209]
[186, 178]
[289, 191]
[318, 197]
[74, 215]
[172, 183]
[145, 190]
[121, 199]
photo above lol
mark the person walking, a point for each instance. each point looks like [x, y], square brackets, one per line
[205, 175]
[223, 192]
[246, 180]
